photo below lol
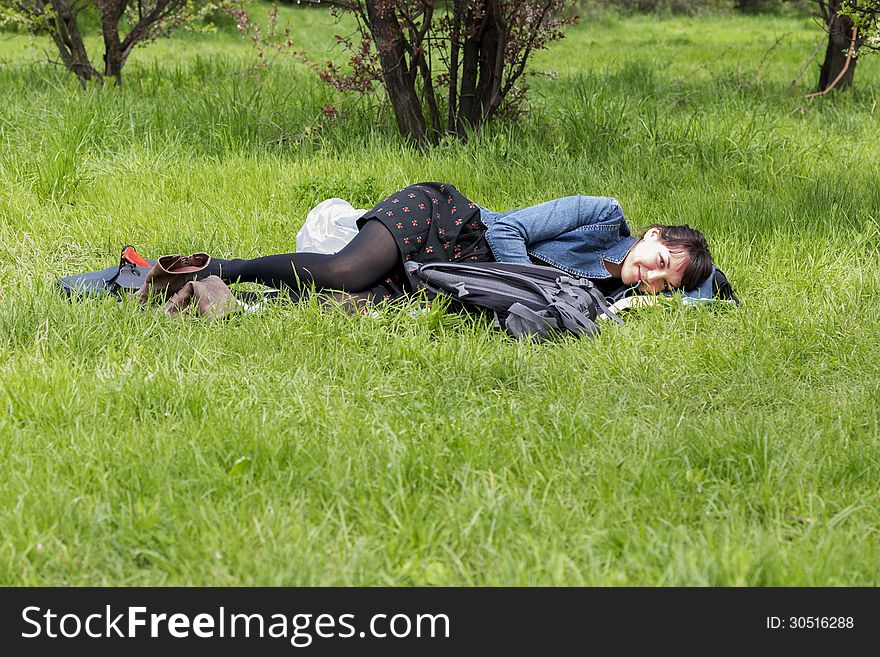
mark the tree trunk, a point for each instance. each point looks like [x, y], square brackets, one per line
[113, 61]
[468, 106]
[68, 39]
[114, 56]
[840, 32]
[491, 62]
[399, 84]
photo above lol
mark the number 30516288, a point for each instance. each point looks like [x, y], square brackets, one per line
[810, 622]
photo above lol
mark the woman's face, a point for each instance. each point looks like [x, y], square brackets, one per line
[652, 264]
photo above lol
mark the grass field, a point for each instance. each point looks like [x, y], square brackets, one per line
[301, 446]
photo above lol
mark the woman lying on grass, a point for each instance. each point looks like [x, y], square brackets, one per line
[432, 222]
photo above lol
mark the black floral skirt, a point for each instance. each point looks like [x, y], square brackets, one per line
[430, 222]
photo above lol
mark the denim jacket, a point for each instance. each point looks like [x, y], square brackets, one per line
[574, 234]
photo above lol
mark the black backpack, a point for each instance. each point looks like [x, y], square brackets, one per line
[526, 300]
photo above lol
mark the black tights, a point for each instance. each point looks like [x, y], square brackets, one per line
[357, 267]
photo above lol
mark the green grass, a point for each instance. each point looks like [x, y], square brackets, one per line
[303, 446]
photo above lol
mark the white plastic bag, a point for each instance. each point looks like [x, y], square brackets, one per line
[329, 226]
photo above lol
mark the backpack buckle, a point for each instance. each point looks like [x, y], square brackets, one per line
[461, 289]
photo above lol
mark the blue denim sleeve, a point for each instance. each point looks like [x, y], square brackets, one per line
[513, 232]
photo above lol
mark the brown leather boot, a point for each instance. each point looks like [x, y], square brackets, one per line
[171, 273]
[210, 297]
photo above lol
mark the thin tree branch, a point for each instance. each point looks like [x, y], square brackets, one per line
[849, 56]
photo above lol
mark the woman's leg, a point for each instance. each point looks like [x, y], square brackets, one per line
[361, 263]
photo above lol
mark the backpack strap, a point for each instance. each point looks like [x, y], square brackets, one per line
[566, 283]
[111, 285]
[603, 304]
[522, 320]
[621, 292]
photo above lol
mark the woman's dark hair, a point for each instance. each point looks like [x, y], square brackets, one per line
[690, 241]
